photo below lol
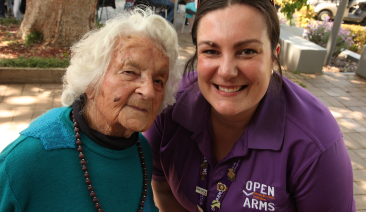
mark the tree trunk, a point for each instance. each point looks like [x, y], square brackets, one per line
[61, 22]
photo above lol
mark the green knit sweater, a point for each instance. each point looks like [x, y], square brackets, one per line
[35, 179]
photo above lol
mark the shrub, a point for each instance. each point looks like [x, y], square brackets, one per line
[289, 7]
[35, 62]
[33, 37]
[304, 16]
[10, 21]
[358, 34]
[318, 32]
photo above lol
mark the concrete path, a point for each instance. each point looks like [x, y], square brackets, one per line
[343, 94]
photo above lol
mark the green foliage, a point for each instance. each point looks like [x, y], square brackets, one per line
[302, 85]
[35, 62]
[304, 16]
[358, 34]
[99, 25]
[296, 72]
[33, 37]
[289, 7]
[319, 32]
[9, 21]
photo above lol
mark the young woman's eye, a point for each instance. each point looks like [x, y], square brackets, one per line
[248, 51]
[210, 52]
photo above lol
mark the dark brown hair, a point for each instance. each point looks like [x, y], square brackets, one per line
[264, 6]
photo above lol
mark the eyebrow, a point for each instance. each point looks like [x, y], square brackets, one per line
[240, 43]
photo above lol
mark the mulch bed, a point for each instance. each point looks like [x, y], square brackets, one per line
[340, 64]
[13, 47]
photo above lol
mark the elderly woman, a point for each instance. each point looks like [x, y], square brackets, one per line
[89, 155]
[241, 137]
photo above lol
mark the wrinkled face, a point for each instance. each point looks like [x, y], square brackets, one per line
[234, 59]
[133, 87]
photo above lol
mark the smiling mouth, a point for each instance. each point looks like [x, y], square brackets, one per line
[230, 90]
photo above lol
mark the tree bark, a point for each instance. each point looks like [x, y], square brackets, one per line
[61, 22]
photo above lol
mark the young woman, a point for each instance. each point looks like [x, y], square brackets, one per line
[241, 137]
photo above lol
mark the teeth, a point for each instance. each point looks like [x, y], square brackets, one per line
[229, 90]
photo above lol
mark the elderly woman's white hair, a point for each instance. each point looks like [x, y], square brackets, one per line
[92, 54]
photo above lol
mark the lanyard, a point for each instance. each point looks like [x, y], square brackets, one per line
[222, 187]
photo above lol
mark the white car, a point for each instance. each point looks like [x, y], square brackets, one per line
[355, 11]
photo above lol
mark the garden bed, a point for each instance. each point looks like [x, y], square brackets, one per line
[12, 47]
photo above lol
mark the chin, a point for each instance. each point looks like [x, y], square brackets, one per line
[227, 111]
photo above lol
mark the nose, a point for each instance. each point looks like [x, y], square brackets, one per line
[228, 68]
[146, 89]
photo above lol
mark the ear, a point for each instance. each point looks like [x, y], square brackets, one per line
[278, 49]
[90, 92]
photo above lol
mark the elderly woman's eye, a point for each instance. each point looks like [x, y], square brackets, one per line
[129, 72]
[158, 82]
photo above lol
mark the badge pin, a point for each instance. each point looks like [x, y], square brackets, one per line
[203, 176]
[215, 203]
[201, 191]
[231, 175]
[204, 165]
[199, 208]
[221, 187]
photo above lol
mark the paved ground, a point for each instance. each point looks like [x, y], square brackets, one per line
[344, 94]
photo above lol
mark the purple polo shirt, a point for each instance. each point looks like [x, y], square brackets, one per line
[293, 155]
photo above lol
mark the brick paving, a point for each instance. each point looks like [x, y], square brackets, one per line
[343, 94]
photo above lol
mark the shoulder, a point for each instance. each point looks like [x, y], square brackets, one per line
[309, 117]
[54, 129]
[21, 155]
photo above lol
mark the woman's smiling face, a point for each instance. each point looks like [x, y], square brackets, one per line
[234, 59]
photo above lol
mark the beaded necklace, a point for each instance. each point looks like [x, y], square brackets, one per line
[86, 174]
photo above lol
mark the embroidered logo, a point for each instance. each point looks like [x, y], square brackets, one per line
[259, 196]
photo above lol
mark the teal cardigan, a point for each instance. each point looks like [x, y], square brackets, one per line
[41, 171]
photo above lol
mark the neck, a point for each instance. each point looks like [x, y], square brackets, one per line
[96, 121]
[227, 130]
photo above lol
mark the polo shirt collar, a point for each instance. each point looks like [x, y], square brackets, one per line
[265, 131]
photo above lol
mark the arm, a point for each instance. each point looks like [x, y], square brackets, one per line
[164, 198]
[8, 202]
[327, 183]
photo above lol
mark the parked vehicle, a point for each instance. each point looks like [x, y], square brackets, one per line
[355, 11]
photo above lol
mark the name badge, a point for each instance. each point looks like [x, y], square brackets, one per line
[201, 191]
